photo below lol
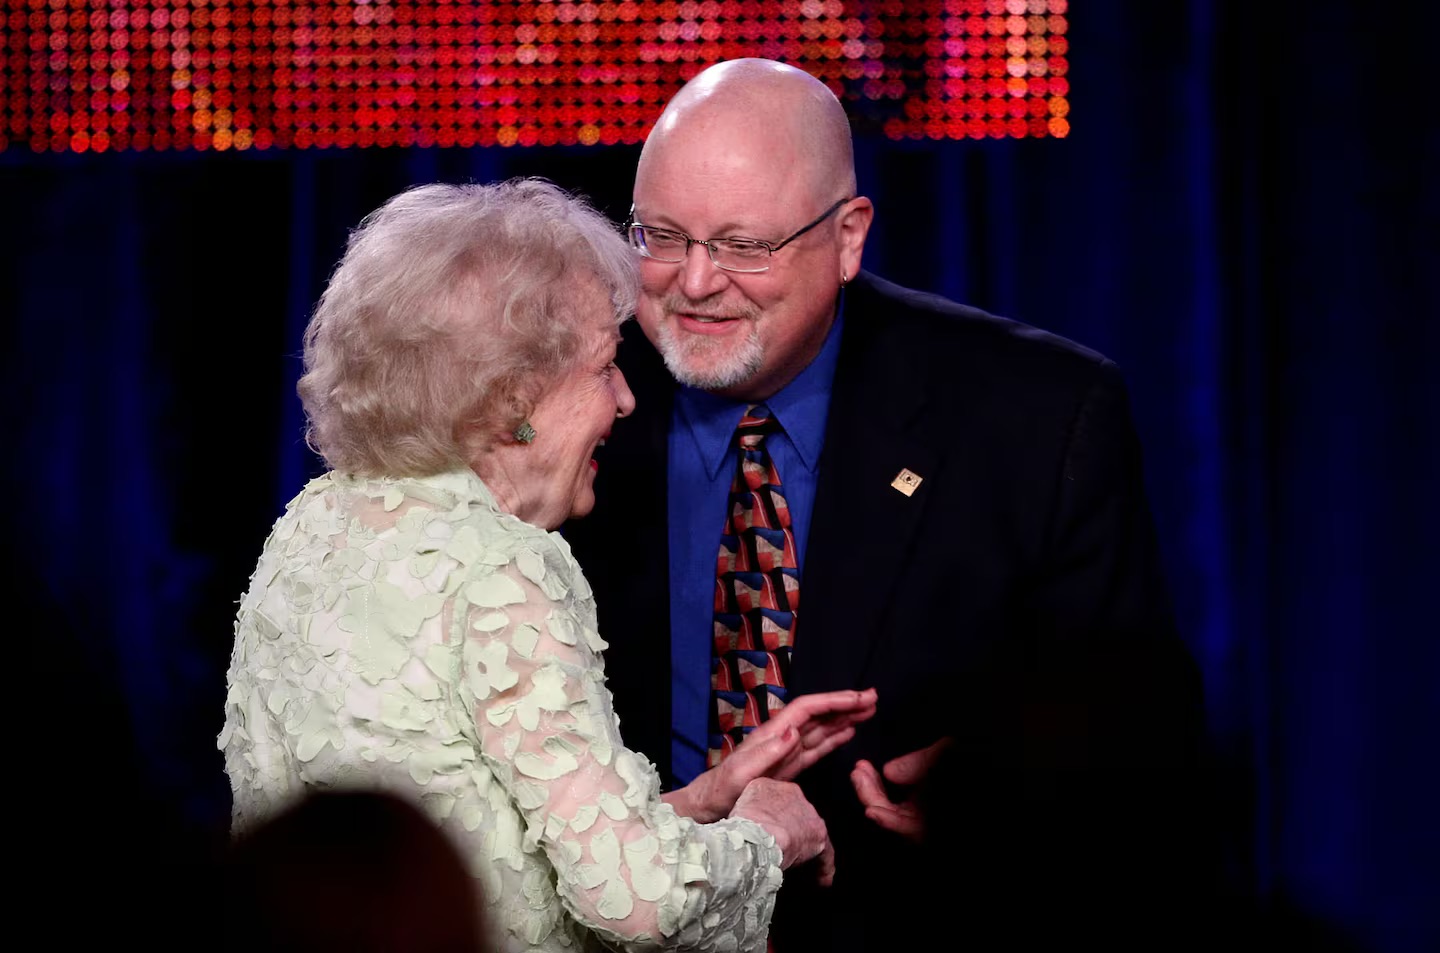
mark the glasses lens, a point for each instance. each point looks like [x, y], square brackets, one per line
[737, 254]
[658, 243]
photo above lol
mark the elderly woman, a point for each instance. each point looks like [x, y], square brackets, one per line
[416, 625]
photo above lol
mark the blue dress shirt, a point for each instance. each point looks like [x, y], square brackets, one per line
[701, 466]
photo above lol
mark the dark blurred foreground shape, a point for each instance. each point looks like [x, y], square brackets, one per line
[348, 871]
[1094, 824]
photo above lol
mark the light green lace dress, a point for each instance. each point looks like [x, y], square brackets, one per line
[408, 636]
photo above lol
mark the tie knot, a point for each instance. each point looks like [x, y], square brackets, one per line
[757, 424]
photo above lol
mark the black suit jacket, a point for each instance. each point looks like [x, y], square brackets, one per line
[1013, 603]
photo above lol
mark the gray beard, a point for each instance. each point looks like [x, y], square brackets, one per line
[699, 362]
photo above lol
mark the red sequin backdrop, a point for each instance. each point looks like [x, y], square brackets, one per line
[105, 75]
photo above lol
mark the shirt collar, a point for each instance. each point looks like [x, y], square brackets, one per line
[801, 407]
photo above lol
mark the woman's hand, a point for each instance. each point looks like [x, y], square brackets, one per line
[780, 808]
[800, 734]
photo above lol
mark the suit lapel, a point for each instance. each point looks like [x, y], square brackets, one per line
[862, 527]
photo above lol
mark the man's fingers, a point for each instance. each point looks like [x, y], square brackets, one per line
[904, 821]
[906, 769]
[868, 786]
[912, 768]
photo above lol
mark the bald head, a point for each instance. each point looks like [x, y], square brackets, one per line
[749, 153]
[769, 112]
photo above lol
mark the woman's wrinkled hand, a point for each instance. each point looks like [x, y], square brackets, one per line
[800, 734]
[780, 808]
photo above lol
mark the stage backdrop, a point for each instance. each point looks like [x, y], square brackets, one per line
[1233, 209]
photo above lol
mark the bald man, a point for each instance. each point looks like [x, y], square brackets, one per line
[965, 518]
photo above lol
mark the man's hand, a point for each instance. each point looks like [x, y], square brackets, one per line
[780, 808]
[800, 734]
[908, 770]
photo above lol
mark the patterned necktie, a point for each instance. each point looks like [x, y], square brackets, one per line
[757, 592]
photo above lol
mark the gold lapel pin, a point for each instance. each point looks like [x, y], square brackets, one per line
[907, 482]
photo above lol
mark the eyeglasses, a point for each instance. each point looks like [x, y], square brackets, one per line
[745, 255]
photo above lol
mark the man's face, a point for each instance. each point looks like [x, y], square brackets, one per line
[743, 335]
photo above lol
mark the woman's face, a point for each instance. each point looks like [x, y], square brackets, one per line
[572, 418]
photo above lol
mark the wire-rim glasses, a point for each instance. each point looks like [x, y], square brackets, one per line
[744, 255]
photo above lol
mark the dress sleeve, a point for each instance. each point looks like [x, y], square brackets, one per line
[627, 866]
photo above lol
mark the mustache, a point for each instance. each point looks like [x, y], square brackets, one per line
[710, 307]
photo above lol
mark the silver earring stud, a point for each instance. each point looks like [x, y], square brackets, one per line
[524, 433]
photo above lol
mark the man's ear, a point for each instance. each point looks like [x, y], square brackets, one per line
[855, 219]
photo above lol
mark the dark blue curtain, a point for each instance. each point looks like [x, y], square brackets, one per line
[1242, 218]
